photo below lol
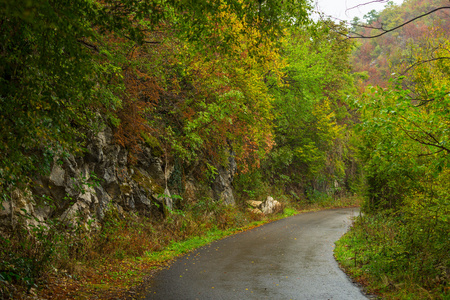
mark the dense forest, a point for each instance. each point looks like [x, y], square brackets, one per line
[252, 94]
[401, 244]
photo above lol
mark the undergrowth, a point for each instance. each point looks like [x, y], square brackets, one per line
[398, 256]
[61, 261]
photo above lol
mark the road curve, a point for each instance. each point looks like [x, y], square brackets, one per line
[287, 259]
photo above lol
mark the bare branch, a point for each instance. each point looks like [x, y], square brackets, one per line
[384, 31]
[367, 3]
[425, 142]
[423, 62]
[88, 45]
[428, 139]
[432, 153]
[425, 101]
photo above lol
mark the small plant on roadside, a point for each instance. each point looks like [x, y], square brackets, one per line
[399, 257]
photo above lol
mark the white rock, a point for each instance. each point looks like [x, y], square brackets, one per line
[254, 203]
[270, 206]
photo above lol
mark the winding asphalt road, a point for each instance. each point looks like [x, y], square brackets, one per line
[286, 259]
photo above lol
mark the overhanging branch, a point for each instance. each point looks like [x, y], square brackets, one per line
[384, 31]
[423, 62]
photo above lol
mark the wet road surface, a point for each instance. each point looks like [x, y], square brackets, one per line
[286, 259]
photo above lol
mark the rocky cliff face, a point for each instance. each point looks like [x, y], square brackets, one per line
[86, 187]
[222, 188]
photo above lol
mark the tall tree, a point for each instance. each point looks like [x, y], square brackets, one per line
[310, 110]
[59, 67]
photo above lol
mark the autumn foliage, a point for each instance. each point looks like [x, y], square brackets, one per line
[393, 53]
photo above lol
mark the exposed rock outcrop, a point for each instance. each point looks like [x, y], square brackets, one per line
[102, 179]
[222, 187]
[84, 188]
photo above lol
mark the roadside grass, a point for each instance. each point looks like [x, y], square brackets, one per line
[385, 254]
[116, 259]
[110, 274]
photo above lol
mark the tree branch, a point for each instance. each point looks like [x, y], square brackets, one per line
[423, 62]
[425, 101]
[428, 140]
[88, 45]
[363, 4]
[384, 31]
[432, 153]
